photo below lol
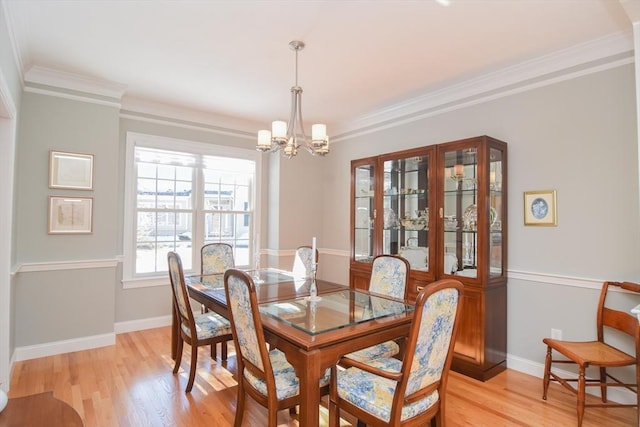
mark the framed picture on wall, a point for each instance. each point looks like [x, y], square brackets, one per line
[70, 215]
[540, 208]
[70, 170]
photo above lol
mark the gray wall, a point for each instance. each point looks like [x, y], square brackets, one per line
[84, 299]
[577, 137]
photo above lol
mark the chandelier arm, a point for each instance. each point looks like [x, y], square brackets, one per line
[291, 131]
[301, 123]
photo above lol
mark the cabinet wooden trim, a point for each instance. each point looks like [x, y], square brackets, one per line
[481, 345]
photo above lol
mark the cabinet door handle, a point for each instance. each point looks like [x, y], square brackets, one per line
[441, 213]
[419, 288]
[375, 213]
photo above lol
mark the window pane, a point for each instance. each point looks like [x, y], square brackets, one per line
[166, 172]
[146, 170]
[242, 198]
[145, 258]
[169, 187]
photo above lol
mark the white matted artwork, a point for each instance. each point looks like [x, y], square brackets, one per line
[70, 170]
[540, 208]
[70, 215]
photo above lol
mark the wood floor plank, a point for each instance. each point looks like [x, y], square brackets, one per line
[132, 384]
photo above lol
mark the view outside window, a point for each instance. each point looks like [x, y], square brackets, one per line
[184, 200]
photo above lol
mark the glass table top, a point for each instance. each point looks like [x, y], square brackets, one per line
[333, 310]
[260, 277]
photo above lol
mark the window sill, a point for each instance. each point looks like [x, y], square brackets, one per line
[145, 283]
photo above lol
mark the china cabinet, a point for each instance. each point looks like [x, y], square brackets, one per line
[442, 207]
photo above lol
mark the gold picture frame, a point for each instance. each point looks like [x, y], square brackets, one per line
[540, 208]
[70, 215]
[73, 171]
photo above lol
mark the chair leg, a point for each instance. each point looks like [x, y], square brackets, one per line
[581, 396]
[176, 366]
[638, 393]
[603, 388]
[214, 353]
[272, 414]
[547, 371]
[223, 345]
[239, 405]
[361, 424]
[193, 367]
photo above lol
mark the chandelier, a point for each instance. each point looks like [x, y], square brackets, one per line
[288, 137]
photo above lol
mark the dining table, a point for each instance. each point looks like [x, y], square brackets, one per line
[312, 332]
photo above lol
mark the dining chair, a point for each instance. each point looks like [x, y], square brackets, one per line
[195, 329]
[598, 354]
[216, 258]
[264, 375]
[412, 391]
[302, 263]
[389, 277]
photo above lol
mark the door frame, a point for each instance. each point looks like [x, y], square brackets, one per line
[8, 124]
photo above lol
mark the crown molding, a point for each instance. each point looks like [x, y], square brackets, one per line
[602, 53]
[74, 82]
[596, 55]
[155, 112]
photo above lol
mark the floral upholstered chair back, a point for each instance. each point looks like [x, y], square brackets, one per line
[303, 261]
[179, 290]
[216, 258]
[432, 350]
[389, 276]
[245, 318]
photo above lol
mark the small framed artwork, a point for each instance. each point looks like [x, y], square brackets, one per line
[70, 170]
[540, 208]
[70, 215]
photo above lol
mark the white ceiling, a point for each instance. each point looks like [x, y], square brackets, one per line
[231, 58]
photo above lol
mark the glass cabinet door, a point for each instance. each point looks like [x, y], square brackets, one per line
[405, 207]
[496, 212]
[364, 210]
[460, 212]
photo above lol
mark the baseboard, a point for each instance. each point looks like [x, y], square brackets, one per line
[535, 369]
[87, 343]
[65, 346]
[142, 324]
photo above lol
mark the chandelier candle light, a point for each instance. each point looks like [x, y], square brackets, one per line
[288, 137]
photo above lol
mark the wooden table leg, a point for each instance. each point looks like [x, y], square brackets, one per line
[309, 376]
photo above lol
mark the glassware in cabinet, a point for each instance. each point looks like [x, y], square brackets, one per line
[460, 211]
[406, 208]
[363, 212]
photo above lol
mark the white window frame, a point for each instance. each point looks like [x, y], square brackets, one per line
[133, 140]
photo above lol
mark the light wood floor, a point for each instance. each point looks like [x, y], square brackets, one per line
[131, 384]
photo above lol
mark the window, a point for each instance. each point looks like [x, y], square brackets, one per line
[180, 196]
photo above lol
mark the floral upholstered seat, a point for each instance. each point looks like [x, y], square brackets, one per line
[216, 258]
[303, 261]
[263, 373]
[388, 391]
[389, 276]
[196, 330]
[208, 325]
